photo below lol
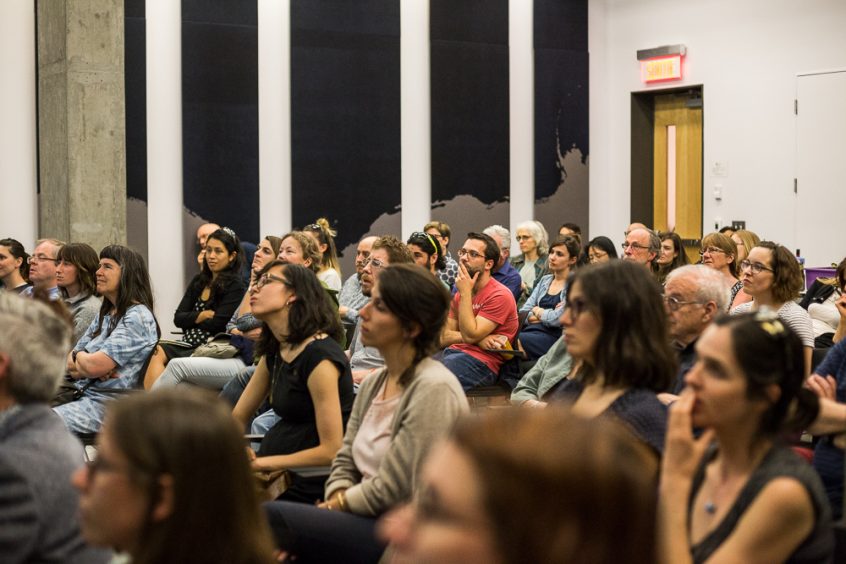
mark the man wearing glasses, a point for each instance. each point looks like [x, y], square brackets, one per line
[385, 251]
[351, 298]
[482, 310]
[641, 246]
[693, 296]
[42, 269]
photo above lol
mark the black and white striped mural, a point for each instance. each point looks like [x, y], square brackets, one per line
[346, 116]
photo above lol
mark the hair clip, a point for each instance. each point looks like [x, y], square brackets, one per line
[228, 231]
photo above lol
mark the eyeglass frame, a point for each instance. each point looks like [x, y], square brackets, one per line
[373, 262]
[266, 279]
[35, 259]
[754, 267]
[711, 250]
[634, 246]
[674, 304]
[462, 252]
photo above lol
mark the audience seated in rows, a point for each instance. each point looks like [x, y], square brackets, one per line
[400, 411]
[303, 371]
[503, 272]
[14, 266]
[772, 276]
[38, 505]
[542, 311]
[442, 233]
[110, 356]
[42, 268]
[486, 499]
[243, 330]
[735, 493]
[483, 316]
[351, 299]
[330, 269]
[208, 303]
[76, 266]
[171, 484]
[531, 262]
[615, 324]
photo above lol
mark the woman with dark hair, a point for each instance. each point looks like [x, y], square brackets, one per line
[525, 485]
[719, 252]
[615, 324]
[772, 276]
[601, 249]
[243, 330]
[110, 356]
[399, 412]
[14, 266]
[76, 264]
[825, 304]
[302, 370]
[543, 308]
[329, 271]
[170, 484]
[208, 303]
[735, 493]
[672, 255]
[427, 252]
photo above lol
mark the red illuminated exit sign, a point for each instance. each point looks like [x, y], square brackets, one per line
[661, 63]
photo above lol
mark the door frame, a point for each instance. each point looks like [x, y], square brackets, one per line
[642, 153]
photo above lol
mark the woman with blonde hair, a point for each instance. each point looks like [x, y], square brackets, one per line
[330, 269]
[745, 241]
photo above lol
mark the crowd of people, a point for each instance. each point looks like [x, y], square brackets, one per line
[658, 400]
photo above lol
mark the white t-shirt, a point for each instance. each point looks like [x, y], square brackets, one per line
[331, 278]
[374, 434]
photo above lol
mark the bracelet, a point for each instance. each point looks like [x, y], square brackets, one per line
[342, 501]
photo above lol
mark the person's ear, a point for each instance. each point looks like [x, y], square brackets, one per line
[710, 311]
[772, 393]
[413, 332]
[163, 504]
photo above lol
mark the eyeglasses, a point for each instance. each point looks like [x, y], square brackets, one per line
[710, 251]
[755, 267]
[313, 227]
[576, 307]
[373, 262]
[99, 465]
[266, 279]
[38, 258]
[634, 247]
[472, 254]
[523, 237]
[596, 256]
[674, 304]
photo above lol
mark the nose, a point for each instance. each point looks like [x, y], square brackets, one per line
[79, 478]
[566, 319]
[364, 312]
[692, 378]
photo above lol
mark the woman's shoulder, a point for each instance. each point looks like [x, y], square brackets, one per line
[324, 348]
[430, 373]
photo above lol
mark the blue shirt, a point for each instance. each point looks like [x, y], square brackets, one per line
[510, 278]
[52, 293]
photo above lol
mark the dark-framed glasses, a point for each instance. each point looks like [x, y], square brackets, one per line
[755, 267]
[469, 253]
[266, 279]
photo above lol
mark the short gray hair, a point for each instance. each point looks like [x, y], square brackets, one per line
[710, 285]
[36, 341]
[501, 232]
[539, 234]
[654, 242]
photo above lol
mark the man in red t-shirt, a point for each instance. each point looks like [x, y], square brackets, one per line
[483, 310]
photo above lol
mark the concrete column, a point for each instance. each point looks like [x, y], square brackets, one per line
[81, 121]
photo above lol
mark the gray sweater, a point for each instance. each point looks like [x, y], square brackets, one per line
[550, 369]
[427, 410]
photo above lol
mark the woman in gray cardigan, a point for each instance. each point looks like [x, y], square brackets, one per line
[398, 414]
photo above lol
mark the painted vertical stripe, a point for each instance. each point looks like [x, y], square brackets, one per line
[274, 56]
[521, 109]
[416, 117]
[18, 156]
[164, 156]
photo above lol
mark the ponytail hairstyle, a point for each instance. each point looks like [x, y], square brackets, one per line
[769, 352]
[326, 236]
[421, 304]
[17, 250]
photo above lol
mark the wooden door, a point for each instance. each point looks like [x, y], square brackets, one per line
[677, 203]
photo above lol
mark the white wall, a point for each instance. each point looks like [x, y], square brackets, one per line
[746, 55]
